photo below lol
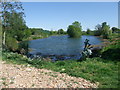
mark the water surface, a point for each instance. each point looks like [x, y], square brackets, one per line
[61, 45]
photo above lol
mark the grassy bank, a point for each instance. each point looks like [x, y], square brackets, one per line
[34, 37]
[104, 72]
[101, 70]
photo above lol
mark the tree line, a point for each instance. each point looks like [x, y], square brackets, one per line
[15, 30]
[103, 30]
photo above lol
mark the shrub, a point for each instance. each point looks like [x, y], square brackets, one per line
[60, 63]
[111, 54]
[23, 47]
[11, 43]
[74, 30]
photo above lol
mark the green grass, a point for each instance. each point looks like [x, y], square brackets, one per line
[102, 70]
[112, 52]
[94, 69]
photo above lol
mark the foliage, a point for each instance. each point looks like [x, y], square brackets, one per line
[115, 30]
[98, 30]
[103, 72]
[23, 47]
[84, 33]
[15, 46]
[16, 58]
[27, 33]
[19, 35]
[103, 30]
[60, 31]
[10, 8]
[112, 52]
[13, 23]
[106, 32]
[59, 63]
[11, 43]
[53, 32]
[88, 31]
[74, 30]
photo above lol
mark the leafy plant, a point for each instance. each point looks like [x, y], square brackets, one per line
[11, 43]
[74, 30]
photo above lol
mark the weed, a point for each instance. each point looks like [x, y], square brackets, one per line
[33, 85]
[11, 82]
[3, 78]
[54, 75]
[76, 82]
[4, 83]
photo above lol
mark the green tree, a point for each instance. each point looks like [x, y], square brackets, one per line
[98, 30]
[17, 26]
[11, 43]
[27, 33]
[74, 30]
[115, 30]
[103, 30]
[12, 17]
[88, 31]
[106, 32]
[23, 47]
[60, 31]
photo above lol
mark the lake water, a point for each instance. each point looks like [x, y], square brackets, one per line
[61, 45]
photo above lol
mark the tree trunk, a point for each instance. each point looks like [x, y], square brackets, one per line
[4, 34]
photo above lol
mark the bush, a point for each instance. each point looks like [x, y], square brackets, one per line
[107, 34]
[74, 30]
[103, 30]
[23, 47]
[60, 63]
[11, 43]
[111, 54]
[17, 34]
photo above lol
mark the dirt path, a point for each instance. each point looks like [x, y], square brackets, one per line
[20, 76]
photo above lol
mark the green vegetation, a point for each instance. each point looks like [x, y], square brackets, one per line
[74, 30]
[115, 30]
[95, 69]
[89, 32]
[103, 30]
[102, 70]
[99, 70]
[11, 43]
[15, 30]
[112, 52]
[61, 31]
[13, 25]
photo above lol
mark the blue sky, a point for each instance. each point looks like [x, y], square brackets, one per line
[57, 15]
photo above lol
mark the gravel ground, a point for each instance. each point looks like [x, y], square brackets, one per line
[21, 76]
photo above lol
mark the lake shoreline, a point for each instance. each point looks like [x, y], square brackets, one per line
[64, 56]
[44, 37]
[90, 69]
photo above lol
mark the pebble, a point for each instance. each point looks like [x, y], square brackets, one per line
[28, 69]
[28, 77]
